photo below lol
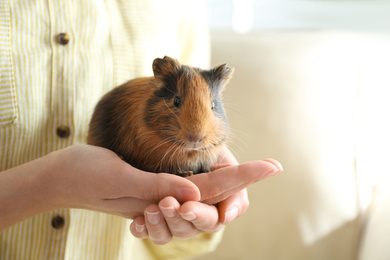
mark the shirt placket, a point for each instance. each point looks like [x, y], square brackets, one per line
[62, 75]
[62, 105]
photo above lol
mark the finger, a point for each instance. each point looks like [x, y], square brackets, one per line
[233, 207]
[204, 217]
[222, 183]
[178, 226]
[220, 166]
[124, 207]
[138, 228]
[131, 182]
[157, 227]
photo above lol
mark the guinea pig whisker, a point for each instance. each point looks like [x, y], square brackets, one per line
[170, 91]
[146, 133]
[234, 152]
[233, 145]
[209, 152]
[175, 158]
[239, 131]
[159, 144]
[181, 154]
[171, 162]
[236, 133]
[166, 140]
[236, 140]
[172, 146]
[171, 110]
[160, 165]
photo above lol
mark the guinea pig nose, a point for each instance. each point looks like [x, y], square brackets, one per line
[193, 138]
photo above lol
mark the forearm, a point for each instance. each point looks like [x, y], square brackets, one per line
[87, 177]
[25, 191]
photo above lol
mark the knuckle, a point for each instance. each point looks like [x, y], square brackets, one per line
[161, 242]
[138, 235]
[217, 228]
[207, 227]
[185, 234]
[158, 189]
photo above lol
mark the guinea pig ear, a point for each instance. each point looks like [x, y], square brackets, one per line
[165, 68]
[222, 75]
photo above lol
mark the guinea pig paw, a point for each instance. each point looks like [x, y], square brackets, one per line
[185, 173]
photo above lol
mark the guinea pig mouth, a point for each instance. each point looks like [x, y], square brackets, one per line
[196, 149]
[191, 147]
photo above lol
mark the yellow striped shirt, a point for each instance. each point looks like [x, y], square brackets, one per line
[49, 83]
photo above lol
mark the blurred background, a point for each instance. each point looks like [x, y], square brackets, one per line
[311, 89]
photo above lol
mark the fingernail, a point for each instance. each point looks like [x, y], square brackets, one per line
[169, 212]
[153, 217]
[189, 216]
[277, 167]
[273, 171]
[139, 228]
[231, 214]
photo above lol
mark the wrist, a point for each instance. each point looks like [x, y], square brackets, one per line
[42, 185]
[26, 191]
[52, 179]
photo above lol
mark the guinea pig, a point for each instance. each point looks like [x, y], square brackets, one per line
[173, 122]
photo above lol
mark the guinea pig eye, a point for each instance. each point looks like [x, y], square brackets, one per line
[177, 102]
[213, 105]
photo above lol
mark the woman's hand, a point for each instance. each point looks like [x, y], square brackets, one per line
[87, 177]
[223, 199]
[97, 179]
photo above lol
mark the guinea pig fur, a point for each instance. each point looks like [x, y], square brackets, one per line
[173, 122]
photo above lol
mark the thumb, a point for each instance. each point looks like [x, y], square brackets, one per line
[223, 182]
[155, 186]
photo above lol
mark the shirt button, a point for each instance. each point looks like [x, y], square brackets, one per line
[63, 131]
[58, 222]
[63, 38]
